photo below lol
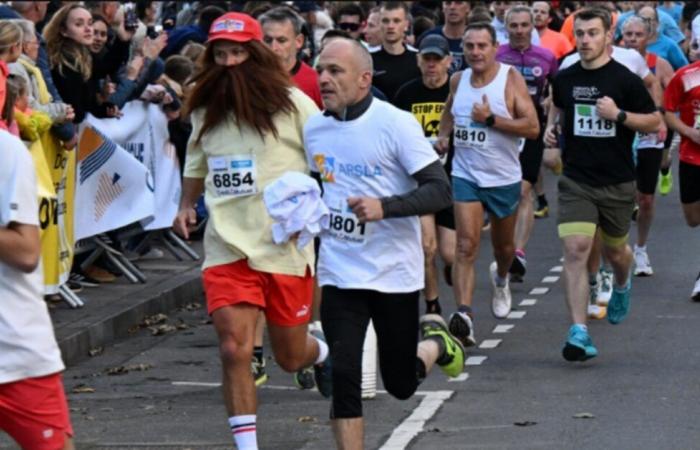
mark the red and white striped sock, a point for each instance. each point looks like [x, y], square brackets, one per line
[244, 432]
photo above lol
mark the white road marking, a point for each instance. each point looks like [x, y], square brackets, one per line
[461, 377]
[195, 383]
[550, 279]
[490, 343]
[528, 302]
[516, 314]
[539, 291]
[270, 386]
[561, 259]
[475, 360]
[413, 425]
[502, 328]
[557, 269]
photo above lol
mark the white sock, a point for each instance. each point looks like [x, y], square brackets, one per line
[322, 351]
[642, 248]
[243, 429]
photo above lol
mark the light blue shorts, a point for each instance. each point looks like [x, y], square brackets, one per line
[501, 201]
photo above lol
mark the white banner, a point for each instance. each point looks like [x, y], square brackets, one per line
[143, 132]
[112, 188]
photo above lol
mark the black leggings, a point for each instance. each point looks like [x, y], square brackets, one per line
[345, 314]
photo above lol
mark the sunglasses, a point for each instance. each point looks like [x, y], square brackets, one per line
[345, 26]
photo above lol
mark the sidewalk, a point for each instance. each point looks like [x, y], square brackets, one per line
[112, 309]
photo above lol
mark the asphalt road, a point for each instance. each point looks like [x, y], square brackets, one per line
[642, 391]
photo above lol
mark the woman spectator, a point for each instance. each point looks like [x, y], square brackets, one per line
[38, 96]
[10, 49]
[69, 35]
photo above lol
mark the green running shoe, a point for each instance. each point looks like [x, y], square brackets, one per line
[451, 361]
[578, 346]
[665, 183]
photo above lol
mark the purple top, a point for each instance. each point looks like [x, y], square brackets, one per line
[537, 65]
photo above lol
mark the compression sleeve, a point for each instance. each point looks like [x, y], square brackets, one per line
[432, 194]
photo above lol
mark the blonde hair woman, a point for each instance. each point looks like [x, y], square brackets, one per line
[10, 49]
[38, 94]
[68, 36]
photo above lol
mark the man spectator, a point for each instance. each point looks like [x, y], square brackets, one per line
[456, 14]
[499, 22]
[371, 31]
[659, 44]
[552, 40]
[282, 33]
[394, 62]
[667, 26]
[351, 19]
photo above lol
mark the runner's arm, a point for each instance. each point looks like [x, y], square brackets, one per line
[524, 122]
[446, 119]
[186, 219]
[654, 87]
[675, 123]
[432, 194]
[20, 246]
[550, 135]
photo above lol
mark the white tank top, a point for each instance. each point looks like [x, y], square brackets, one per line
[483, 155]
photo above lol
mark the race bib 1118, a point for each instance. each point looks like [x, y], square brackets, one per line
[587, 123]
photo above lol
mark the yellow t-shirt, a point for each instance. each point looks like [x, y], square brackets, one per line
[237, 164]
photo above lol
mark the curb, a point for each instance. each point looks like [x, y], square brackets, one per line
[76, 341]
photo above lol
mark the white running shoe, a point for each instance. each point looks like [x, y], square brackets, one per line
[606, 287]
[695, 296]
[502, 300]
[597, 311]
[642, 268]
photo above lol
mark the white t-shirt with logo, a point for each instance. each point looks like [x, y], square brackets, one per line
[373, 156]
[28, 346]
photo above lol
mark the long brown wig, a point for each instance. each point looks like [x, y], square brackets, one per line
[250, 93]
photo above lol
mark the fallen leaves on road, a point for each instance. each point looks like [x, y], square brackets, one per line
[95, 351]
[162, 329]
[584, 415]
[190, 307]
[82, 389]
[122, 370]
[306, 419]
[525, 423]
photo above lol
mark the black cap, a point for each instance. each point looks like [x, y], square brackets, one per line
[435, 44]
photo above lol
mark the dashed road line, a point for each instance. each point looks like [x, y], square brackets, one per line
[464, 376]
[550, 279]
[557, 269]
[490, 343]
[516, 314]
[539, 291]
[502, 328]
[475, 360]
[528, 302]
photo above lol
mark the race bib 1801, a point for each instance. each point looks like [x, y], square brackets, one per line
[233, 176]
[344, 224]
[468, 133]
[587, 123]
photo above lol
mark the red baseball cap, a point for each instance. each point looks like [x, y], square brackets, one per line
[235, 27]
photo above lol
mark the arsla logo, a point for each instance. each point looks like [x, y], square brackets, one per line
[326, 167]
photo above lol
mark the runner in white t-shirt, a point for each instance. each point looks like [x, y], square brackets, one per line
[33, 407]
[379, 173]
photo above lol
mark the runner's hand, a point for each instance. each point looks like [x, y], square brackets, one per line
[550, 136]
[663, 131]
[481, 111]
[442, 145]
[607, 109]
[367, 209]
[695, 135]
[185, 222]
